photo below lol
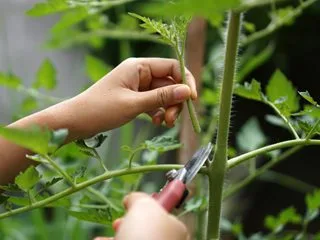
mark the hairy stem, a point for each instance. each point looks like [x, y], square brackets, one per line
[295, 134]
[92, 181]
[218, 166]
[60, 170]
[191, 109]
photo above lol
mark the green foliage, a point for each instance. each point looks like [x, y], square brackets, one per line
[276, 224]
[96, 68]
[72, 17]
[306, 96]
[67, 175]
[48, 7]
[34, 138]
[249, 90]
[46, 76]
[281, 92]
[27, 179]
[9, 80]
[213, 11]
[173, 34]
[162, 144]
[102, 216]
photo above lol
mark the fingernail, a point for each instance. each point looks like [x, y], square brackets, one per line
[181, 93]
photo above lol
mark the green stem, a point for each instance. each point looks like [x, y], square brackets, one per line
[100, 160]
[254, 4]
[191, 109]
[38, 95]
[275, 25]
[103, 198]
[218, 166]
[295, 134]
[287, 181]
[102, 177]
[230, 191]
[116, 34]
[290, 143]
[314, 128]
[60, 170]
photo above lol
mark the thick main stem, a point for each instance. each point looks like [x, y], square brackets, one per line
[218, 166]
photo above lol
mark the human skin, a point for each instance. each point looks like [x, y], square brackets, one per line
[146, 220]
[135, 86]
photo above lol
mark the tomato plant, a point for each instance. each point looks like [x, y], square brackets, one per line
[91, 191]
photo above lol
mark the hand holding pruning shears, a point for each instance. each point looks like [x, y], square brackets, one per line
[149, 219]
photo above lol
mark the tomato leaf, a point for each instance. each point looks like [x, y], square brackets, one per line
[281, 92]
[9, 80]
[73, 16]
[48, 7]
[307, 97]
[33, 138]
[249, 90]
[162, 144]
[27, 179]
[98, 216]
[46, 76]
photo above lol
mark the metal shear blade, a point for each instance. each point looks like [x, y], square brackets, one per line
[196, 162]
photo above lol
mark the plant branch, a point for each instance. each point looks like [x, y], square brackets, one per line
[230, 191]
[287, 181]
[191, 109]
[276, 24]
[314, 128]
[38, 95]
[218, 166]
[254, 4]
[97, 155]
[102, 198]
[116, 34]
[65, 175]
[290, 143]
[102, 177]
[295, 134]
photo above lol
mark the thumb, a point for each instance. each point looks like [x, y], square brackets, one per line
[164, 96]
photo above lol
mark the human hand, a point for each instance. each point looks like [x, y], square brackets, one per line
[137, 85]
[146, 220]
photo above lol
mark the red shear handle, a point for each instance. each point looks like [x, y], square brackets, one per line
[171, 194]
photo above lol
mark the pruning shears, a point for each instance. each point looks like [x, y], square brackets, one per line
[175, 191]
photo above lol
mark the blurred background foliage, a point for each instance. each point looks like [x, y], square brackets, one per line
[104, 34]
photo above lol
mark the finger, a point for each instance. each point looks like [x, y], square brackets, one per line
[150, 68]
[116, 224]
[103, 238]
[172, 114]
[162, 97]
[158, 116]
[161, 82]
[132, 198]
[156, 83]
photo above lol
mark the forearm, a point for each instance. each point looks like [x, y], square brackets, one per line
[62, 115]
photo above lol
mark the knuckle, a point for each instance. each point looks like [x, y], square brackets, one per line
[162, 96]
